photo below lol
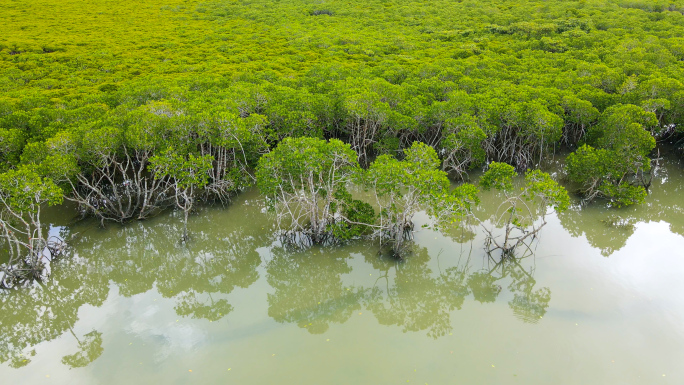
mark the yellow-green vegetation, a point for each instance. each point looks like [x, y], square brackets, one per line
[63, 50]
[67, 49]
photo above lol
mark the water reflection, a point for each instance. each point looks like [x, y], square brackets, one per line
[484, 286]
[308, 288]
[415, 298]
[89, 348]
[414, 294]
[197, 275]
[137, 257]
[46, 311]
[601, 229]
[313, 289]
[421, 300]
[609, 228]
[528, 304]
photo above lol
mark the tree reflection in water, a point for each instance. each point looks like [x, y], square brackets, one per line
[141, 256]
[483, 286]
[528, 305]
[136, 257]
[608, 229]
[414, 298]
[44, 312]
[308, 288]
[90, 347]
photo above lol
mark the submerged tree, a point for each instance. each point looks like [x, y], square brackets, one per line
[523, 212]
[403, 188]
[23, 193]
[305, 180]
[187, 174]
[614, 161]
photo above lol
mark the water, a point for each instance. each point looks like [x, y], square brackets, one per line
[599, 302]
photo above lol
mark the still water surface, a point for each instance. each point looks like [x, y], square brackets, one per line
[599, 302]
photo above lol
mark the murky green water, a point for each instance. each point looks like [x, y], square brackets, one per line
[600, 302]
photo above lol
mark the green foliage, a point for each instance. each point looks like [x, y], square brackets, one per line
[480, 81]
[187, 173]
[11, 145]
[305, 180]
[403, 188]
[297, 161]
[523, 213]
[498, 176]
[617, 153]
[463, 144]
[359, 216]
[623, 194]
[419, 171]
[540, 185]
[190, 171]
[23, 191]
[468, 194]
[621, 126]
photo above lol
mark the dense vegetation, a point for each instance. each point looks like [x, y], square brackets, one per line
[129, 108]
